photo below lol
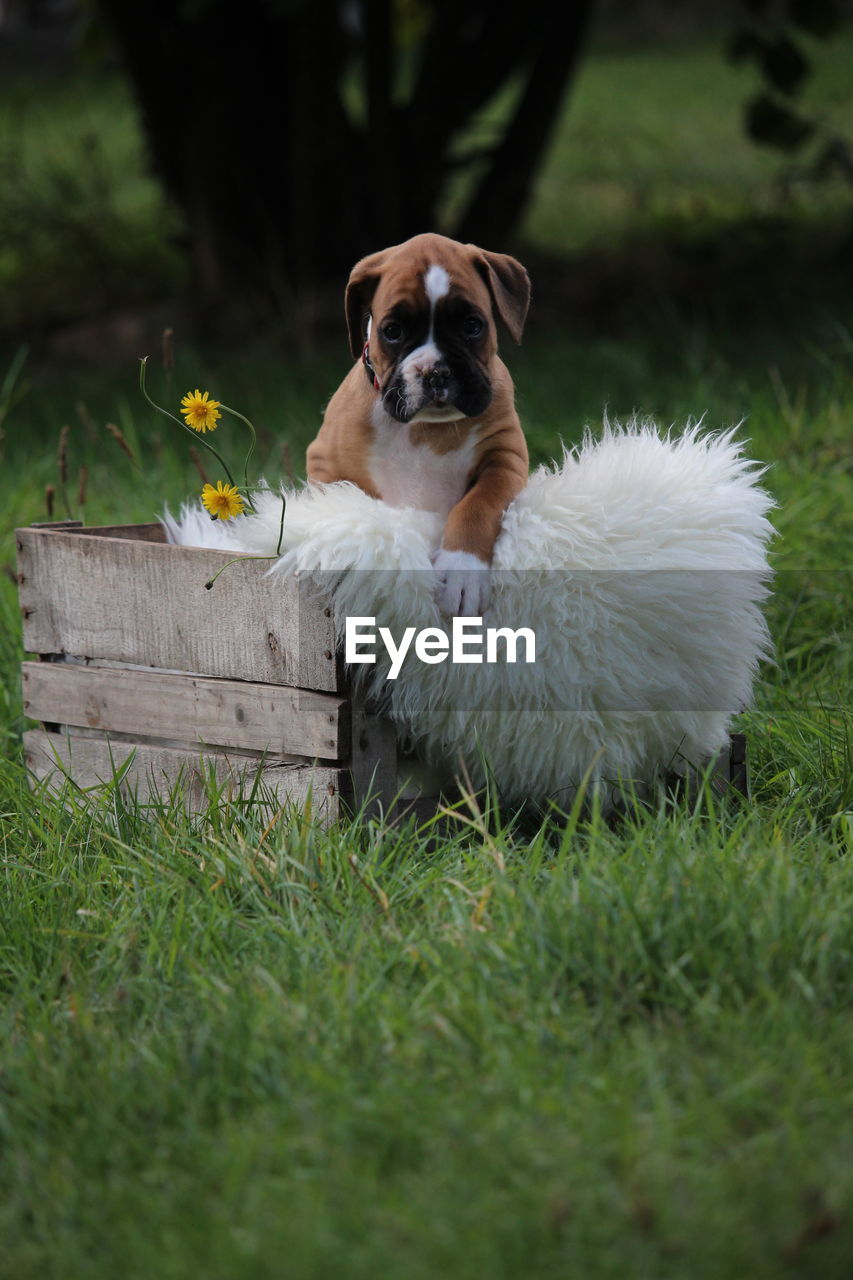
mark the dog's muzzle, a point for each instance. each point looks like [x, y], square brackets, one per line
[437, 386]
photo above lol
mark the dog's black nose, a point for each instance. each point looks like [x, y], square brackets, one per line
[438, 377]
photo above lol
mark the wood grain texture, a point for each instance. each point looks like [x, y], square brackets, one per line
[192, 709]
[60, 524]
[155, 772]
[152, 532]
[145, 602]
[738, 765]
[373, 762]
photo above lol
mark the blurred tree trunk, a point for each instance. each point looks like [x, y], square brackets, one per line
[297, 135]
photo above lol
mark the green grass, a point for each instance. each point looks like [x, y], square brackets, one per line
[239, 1048]
[83, 225]
[679, 154]
[225, 1052]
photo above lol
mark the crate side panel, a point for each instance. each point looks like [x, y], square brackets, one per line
[155, 772]
[151, 532]
[145, 602]
[155, 704]
[373, 761]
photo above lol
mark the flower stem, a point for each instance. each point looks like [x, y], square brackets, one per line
[252, 442]
[227, 565]
[209, 584]
[199, 438]
[281, 525]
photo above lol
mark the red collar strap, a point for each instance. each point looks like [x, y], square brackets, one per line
[371, 372]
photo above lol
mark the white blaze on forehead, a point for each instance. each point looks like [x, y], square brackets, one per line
[436, 283]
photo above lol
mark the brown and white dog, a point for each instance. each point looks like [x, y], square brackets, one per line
[426, 417]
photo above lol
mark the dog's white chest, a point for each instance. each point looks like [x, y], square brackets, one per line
[409, 474]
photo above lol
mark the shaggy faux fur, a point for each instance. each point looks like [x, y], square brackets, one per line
[640, 563]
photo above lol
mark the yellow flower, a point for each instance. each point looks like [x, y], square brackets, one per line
[200, 412]
[224, 501]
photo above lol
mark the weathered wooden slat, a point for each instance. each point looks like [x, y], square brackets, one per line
[738, 767]
[144, 602]
[155, 772]
[152, 532]
[373, 778]
[155, 704]
[265, 758]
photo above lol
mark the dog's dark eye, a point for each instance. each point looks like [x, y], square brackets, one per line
[392, 331]
[472, 326]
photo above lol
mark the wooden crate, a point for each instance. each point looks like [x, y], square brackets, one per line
[136, 658]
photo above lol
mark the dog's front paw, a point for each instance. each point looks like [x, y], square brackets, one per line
[462, 586]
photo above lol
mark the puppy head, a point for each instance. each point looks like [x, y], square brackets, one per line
[428, 311]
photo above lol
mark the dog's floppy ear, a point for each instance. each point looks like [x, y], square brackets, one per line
[509, 285]
[363, 280]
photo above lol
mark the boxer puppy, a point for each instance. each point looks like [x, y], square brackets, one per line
[426, 417]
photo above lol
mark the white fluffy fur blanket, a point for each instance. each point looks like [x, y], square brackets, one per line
[639, 562]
